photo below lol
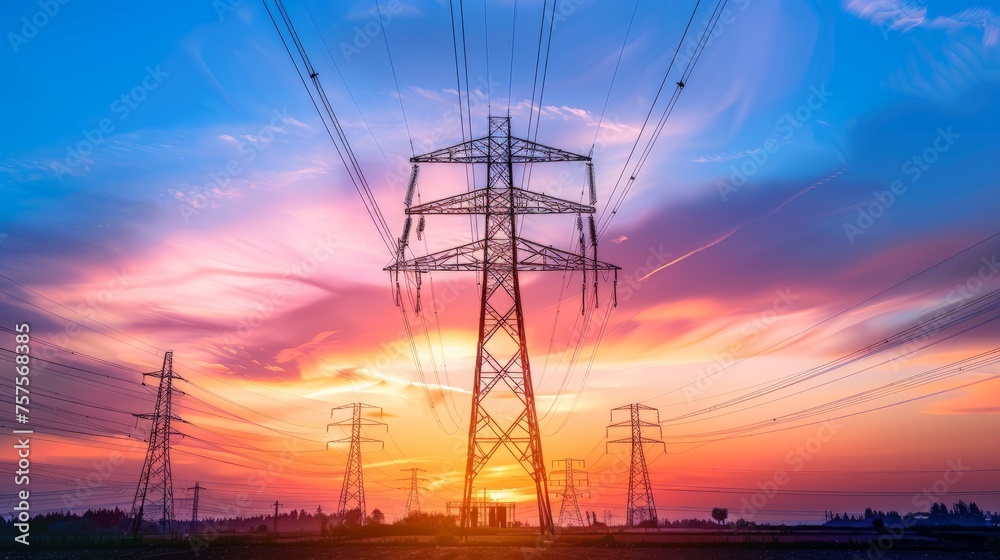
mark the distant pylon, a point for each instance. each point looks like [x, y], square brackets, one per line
[413, 498]
[640, 506]
[352, 493]
[569, 478]
[502, 374]
[194, 507]
[155, 491]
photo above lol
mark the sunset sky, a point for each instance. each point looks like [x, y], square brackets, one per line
[826, 181]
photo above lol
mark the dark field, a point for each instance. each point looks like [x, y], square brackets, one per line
[487, 553]
[676, 546]
[491, 553]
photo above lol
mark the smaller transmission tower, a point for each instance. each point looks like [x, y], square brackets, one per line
[569, 479]
[276, 506]
[155, 492]
[640, 508]
[194, 507]
[352, 493]
[413, 498]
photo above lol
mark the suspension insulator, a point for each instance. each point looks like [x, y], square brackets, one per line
[593, 230]
[591, 184]
[416, 308]
[405, 240]
[614, 290]
[412, 187]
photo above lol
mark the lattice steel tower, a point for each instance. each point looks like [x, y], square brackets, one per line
[352, 492]
[413, 498]
[194, 507]
[640, 506]
[155, 491]
[502, 355]
[569, 479]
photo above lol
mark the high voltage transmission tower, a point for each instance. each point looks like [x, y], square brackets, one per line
[413, 498]
[352, 493]
[155, 491]
[276, 506]
[502, 354]
[640, 508]
[194, 507]
[569, 478]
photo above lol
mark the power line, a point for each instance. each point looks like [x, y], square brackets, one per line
[340, 140]
[835, 315]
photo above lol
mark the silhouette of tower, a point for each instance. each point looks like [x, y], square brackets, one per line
[194, 507]
[413, 498]
[569, 479]
[276, 506]
[502, 368]
[154, 496]
[640, 506]
[352, 493]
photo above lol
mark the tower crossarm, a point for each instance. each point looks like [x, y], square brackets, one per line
[535, 256]
[521, 201]
[478, 151]
[636, 440]
[531, 257]
[640, 423]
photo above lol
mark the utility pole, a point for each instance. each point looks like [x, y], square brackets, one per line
[502, 365]
[352, 492]
[276, 504]
[640, 506]
[194, 507]
[413, 498]
[569, 478]
[155, 491]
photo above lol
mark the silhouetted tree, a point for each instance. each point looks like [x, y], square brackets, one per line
[353, 518]
[720, 514]
[377, 517]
